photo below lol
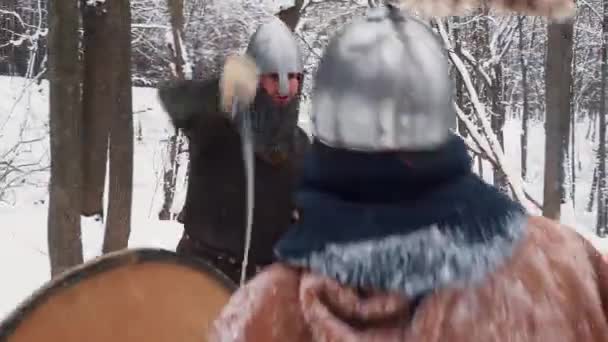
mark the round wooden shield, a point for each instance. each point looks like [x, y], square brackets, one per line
[132, 295]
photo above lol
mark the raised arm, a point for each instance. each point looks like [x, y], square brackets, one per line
[206, 105]
[191, 102]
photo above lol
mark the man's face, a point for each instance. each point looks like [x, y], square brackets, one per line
[270, 83]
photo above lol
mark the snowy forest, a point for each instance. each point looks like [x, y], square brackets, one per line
[94, 164]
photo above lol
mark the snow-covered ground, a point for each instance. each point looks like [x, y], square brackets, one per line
[23, 247]
[23, 240]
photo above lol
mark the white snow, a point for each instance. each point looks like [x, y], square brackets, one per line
[275, 6]
[95, 2]
[23, 240]
[23, 248]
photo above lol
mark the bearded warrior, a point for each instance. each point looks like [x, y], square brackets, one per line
[214, 212]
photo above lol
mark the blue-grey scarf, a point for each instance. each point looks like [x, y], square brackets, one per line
[409, 222]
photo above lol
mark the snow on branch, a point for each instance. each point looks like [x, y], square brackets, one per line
[31, 32]
[95, 2]
[476, 65]
[494, 149]
[14, 14]
[15, 168]
[480, 147]
[502, 39]
[186, 65]
[150, 26]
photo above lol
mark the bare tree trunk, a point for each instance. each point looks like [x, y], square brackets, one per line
[525, 116]
[498, 123]
[64, 242]
[460, 90]
[558, 82]
[602, 203]
[176, 15]
[590, 134]
[171, 167]
[97, 103]
[572, 144]
[170, 177]
[593, 191]
[481, 51]
[291, 16]
[140, 134]
[118, 225]
[572, 157]
[494, 92]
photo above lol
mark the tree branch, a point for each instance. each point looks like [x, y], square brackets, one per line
[496, 152]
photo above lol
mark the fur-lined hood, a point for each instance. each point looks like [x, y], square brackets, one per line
[409, 223]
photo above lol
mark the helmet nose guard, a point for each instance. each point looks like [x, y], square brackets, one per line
[283, 84]
[383, 85]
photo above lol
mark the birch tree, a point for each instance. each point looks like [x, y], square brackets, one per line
[525, 110]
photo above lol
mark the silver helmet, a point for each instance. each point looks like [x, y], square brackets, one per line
[383, 84]
[275, 51]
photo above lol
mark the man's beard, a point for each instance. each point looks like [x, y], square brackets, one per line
[274, 127]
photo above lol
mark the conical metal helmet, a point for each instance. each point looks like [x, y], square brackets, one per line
[275, 51]
[383, 84]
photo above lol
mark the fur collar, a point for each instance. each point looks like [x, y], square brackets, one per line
[373, 221]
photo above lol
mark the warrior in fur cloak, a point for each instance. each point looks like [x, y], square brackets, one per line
[267, 82]
[397, 240]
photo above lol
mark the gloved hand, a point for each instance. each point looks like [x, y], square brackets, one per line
[239, 80]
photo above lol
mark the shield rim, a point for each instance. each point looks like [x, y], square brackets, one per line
[96, 266]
